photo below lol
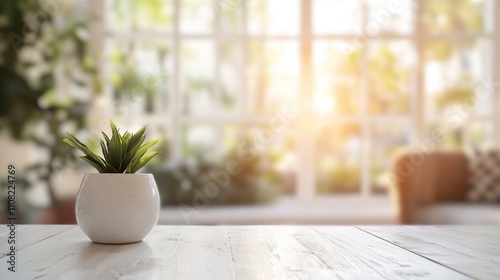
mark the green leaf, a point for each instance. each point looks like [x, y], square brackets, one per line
[115, 148]
[69, 142]
[126, 137]
[129, 155]
[143, 149]
[136, 138]
[143, 161]
[111, 169]
[137, 145]
[129, 169]
[105, 137]
[96, 165]
[72, 141]
[104, 150]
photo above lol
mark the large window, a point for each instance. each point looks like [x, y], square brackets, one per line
[366, 79]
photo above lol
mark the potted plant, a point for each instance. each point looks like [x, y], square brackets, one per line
[117, 206]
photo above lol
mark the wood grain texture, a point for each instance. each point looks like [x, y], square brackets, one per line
[236, 252]
[272, 253]
[471, 250]
[485, 234]
[29, 235]
[4, 228]
[354, 254]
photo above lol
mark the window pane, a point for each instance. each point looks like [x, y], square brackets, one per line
[273, 75]
[277, 17]
[140, 74]
[387, 139]
[456, 79]
[151, 15]
[230, 13]
[337, 78]
[231, 75]
[267, 156]
[201, 141]
[456, 15]
[197, 16]
[338, 162]
[438, 16]
[391, 76]
[444, 135]
[258, 165]
[470, 15]
[334, 17]
[390, 16]
[197, 77]
[450, 135]
[481, 133]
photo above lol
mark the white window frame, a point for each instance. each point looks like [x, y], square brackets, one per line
[306, 181]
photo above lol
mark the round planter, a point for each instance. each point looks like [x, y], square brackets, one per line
[117, 208]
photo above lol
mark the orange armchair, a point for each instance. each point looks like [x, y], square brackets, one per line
[421, 180]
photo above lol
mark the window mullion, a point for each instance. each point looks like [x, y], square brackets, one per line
[365, 124]
[217, 92]
[216, 87]
[418, 106]
[306, 182]
[243, 102]
[496, 70]
[176, 100]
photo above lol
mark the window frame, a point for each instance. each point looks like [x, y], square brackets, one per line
[306, 177]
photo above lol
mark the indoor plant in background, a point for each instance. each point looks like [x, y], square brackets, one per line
[38, 102]
[116, 205]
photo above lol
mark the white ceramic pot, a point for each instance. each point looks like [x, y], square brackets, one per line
[117, 208]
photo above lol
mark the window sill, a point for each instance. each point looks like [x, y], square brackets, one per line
[288, 210]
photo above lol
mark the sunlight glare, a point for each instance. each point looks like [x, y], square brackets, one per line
[323, 104]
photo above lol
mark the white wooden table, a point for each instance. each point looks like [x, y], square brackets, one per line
[259, 252]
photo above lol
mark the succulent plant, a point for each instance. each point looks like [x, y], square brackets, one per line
[123, 153]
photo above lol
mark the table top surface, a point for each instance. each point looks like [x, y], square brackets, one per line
[258, 252]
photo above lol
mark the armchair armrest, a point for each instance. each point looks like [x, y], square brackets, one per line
[421, 179]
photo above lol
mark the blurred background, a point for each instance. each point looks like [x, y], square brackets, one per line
[314, 99]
